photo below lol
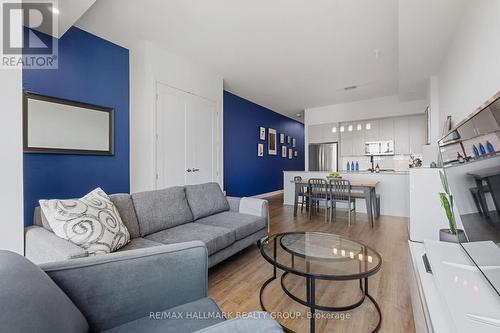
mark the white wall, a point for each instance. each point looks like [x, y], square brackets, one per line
[11, 175]
[470, 73]
[382, 107]
[150, 64]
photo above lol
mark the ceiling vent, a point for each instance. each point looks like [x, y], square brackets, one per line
[350, 88]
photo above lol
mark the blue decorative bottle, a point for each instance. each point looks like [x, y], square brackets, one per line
[348, 166]
[352, 166]
[482, 150]
[357, 166]
[490, 148]
[475, 150]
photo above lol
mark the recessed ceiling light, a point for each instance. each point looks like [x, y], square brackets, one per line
[334, 129]
[349, 128]
[368, 126]
[55, 10]
[350, 87]
[342, 128]
[359, 127]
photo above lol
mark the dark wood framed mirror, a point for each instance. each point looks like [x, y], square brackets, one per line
[60, 126]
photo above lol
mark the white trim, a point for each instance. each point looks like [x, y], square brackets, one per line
[269, 194]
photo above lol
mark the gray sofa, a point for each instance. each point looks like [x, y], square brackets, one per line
[173, 215]
[156, 289]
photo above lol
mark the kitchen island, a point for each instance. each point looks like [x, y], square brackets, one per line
[393, 188]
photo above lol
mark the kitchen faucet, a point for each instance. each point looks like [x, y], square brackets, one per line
[371, 161]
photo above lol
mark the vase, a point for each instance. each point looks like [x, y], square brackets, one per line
[445, 235]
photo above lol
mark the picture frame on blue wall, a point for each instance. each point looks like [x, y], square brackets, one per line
[282, 138]
[295, 153]
[293, 142]
[288, 139]
[262, 133]
[272, 145]
[284, 151]
[260, 149]
[290, 154]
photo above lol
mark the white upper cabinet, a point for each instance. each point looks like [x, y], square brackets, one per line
[358, 141]
[417, 132]
[323, 133]
[401, 135]
[372, 134]
[386, 129]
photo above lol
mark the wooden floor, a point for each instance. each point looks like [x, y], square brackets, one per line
[235, 283]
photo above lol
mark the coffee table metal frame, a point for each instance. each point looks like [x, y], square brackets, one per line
[311, 278]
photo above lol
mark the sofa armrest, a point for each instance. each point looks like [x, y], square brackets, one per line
[43, 246]
[252, 322]
[119, 287]
[255, 206]
[234, 204]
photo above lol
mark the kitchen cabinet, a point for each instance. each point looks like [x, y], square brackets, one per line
[373, 133]
[386, 129]
[401, 136]
[322, 133]
[417, 132]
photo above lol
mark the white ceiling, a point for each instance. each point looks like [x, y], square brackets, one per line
[69, 12]
[289, 55]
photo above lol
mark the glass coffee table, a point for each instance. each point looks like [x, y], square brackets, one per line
[320, 256]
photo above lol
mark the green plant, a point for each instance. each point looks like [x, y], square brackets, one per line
[334, 175]
[447, 203]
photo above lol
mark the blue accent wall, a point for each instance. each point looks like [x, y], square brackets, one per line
[95, 71]
[246, 174]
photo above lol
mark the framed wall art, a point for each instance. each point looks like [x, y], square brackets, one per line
[272, 148]
[260, 149]
[262, 133]
[283, 151]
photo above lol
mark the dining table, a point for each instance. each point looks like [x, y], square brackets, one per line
[490, 176]
[365, 187]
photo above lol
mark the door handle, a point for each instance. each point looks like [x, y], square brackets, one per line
[195, 170]
[189, 170]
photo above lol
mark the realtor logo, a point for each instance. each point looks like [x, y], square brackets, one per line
[27, 28]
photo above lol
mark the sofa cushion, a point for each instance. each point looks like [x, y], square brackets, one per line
[92, 222]
[206, 199]
[181, 319]
[162, 209]
[123, 202]
[31, 302]
[139, 243]
[242, 224]
[215, 238]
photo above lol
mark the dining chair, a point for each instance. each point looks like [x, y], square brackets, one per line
[340, 191]
[318, 193]
[302, 192]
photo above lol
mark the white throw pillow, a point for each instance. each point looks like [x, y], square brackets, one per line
[91, 222]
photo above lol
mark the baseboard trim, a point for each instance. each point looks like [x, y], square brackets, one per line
[269, 194]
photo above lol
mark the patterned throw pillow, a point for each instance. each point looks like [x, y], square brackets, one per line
[91, 222]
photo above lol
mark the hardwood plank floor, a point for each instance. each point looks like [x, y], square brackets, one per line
[235, 283]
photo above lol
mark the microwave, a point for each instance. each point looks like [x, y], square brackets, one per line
[378, 148]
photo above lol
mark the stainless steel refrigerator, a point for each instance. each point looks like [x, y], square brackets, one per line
[323, 157]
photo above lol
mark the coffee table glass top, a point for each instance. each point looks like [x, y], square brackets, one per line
[319, 254]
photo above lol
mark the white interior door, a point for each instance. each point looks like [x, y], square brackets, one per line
[171, 108]
[186, 138]
[201, 129]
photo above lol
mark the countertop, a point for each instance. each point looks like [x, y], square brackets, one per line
[362, 172]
